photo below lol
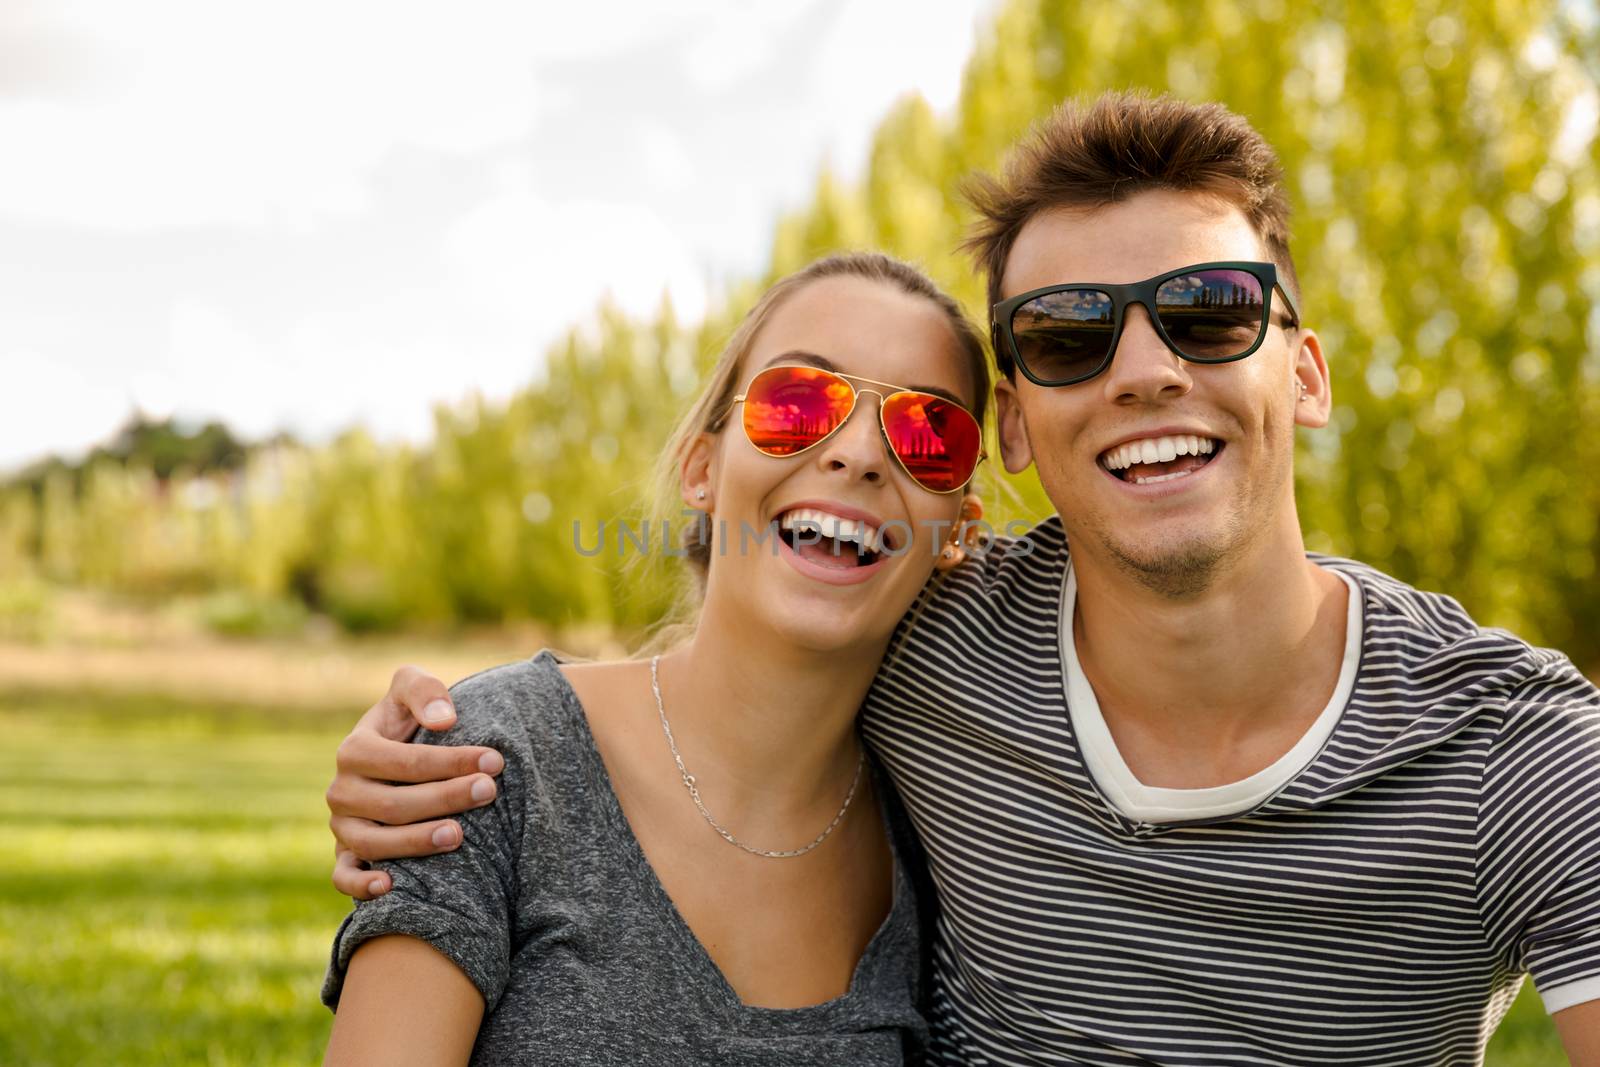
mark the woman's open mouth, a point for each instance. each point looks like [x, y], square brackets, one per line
[1160, 459]
[830, 540]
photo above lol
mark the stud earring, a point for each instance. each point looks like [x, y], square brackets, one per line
[700, 494]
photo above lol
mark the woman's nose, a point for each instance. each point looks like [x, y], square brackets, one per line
[857, 448]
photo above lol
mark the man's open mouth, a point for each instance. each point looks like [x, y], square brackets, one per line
[831, 540]
[1160, 459]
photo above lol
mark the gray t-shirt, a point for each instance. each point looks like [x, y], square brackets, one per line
[552, 911]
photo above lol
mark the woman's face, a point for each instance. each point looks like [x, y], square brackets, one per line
[819, 596]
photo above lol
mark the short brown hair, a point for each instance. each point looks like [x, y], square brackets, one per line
[1118, 145]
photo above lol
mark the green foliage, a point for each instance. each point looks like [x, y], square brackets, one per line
[235, 613]
[163, 446]
[1441, 161]
[166, 447]
[25, 609]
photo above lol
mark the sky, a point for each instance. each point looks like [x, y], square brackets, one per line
[306, 216]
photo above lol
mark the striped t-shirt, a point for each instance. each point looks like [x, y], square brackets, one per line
[1380, 907]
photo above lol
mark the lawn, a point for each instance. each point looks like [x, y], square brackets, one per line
[164, 896]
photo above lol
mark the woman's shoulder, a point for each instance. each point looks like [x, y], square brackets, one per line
[528, 700]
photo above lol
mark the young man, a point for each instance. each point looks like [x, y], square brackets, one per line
[1188, 795]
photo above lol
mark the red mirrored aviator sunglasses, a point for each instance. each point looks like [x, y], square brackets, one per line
[790, 409]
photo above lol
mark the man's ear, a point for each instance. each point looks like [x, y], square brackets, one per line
[1313, 388]
[697, 474]
[1015, 451]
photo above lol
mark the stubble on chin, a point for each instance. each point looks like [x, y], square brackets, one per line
[1179, 572]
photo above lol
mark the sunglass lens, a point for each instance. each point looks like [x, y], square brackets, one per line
[937, 441]
[790, 408]
[1212, 314]
[1064, 337]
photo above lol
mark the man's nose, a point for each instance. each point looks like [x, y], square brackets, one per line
[1143, 368]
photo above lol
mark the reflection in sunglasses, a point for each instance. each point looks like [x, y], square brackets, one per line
[790, 409]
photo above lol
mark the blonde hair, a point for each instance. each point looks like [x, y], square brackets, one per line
[710, 411]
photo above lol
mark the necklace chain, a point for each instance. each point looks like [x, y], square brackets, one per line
[694, 789]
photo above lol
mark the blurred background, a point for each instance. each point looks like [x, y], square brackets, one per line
[323, 324]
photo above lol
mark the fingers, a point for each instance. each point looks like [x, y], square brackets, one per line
[395, 805]
[414, 698]
[366, 754]
[372, 841]
[373, 820]
[423, 697]
[352, 877]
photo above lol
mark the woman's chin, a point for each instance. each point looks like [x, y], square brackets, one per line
[802, 613]
[824, 629]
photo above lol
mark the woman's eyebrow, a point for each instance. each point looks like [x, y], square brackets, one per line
[799, 356]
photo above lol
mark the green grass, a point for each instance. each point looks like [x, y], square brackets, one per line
[164, 894]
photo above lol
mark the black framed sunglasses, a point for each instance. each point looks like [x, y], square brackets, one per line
[1206, 313]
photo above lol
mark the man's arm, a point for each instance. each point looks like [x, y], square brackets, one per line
[404, 1003]
[372, 818]
[1538, 862]
[1579, 1027]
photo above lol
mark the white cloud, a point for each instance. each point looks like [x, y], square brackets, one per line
[663, 158]
[738, 40]
[236, 114]
[538, 265]
[55, 406]
[881, 50]
[211, 362]
[303, 215]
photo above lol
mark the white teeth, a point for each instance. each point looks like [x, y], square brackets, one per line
[1157, 450]
[869, 537]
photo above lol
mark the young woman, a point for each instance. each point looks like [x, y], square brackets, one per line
[691, 858]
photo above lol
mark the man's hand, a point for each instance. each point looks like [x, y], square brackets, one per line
[375, 820]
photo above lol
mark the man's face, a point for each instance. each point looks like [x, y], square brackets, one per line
[1172, 533]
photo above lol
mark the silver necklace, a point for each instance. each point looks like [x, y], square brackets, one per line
[694, 790]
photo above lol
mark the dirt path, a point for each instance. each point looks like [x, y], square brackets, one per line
[98, 647]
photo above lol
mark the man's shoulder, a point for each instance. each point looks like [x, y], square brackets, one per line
[1435, 619]
[1428, 643]
[1029, 563]
[1001, 606]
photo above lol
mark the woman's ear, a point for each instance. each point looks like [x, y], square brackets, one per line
[1015, 451]
[697, 474]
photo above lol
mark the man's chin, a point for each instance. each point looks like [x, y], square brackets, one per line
[1175, 572]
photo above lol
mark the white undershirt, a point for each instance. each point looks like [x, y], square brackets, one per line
[1151, 804]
